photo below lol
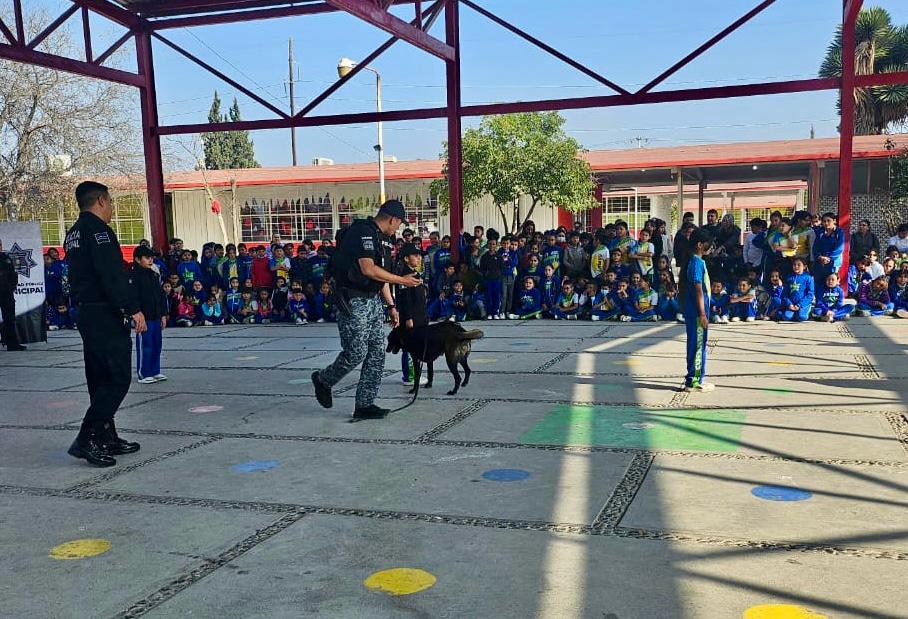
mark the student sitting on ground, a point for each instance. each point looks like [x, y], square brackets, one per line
[719, 299]
[588, 299]
[529, 301]
[898, 294]
[323, 306]
[831, 305]
[59, 317]
[776, 291]
[476, 306]
[247, 308]
[279, 299]
[549, 290]
[185, 311]
[534, 270]
[669, 308]
[297, 307]
[623, 300]
[212, 313]
[742, 306]
[263, 307]
[799, 293]
[645, 302]
[873, 298]
[459, 301]
[605, 306]
[568, 305]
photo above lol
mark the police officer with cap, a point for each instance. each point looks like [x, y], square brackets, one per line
[9, 278]
[361, 266]
[106, 306]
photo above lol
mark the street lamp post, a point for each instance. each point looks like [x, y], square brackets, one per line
[343, 68]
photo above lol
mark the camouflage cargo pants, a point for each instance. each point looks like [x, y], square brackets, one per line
[362, 339]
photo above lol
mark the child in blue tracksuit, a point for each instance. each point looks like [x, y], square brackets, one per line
[873, 298]
[776, 290]
[323, 304]
[720, 302]
[549, 289]
[799, 293]
[188, 269]
[567, 307]
[742, 306]
[828, 247]
[605, 305]
[212, 312]
[441, 257]
[297, 307]
[552, 254]
[458, 302]
[233, 301]
[645, 302]
[669, 308]
[59, 317]
[476, 307]
[858, 273]
[534, 270]
[529, 301]
[696, 311]
[146, 289]
[898, 294]
[491, 265]
[831, 304]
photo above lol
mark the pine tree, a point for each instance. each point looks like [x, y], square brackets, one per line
[227, 150]
[213, 143]
[241, 149]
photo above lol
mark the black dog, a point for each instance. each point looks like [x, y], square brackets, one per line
[426, 344]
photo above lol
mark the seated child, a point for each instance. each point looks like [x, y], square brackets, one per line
[799, 292]
[279, 298]
[742, 306]
[587, 299]
[263, 307]
[898, 294]
[185, 311]
[775, 290]
[323, 305]
[534, 270]
[831, 304]
[233, 301]
[58, 316]
[549, 289]
[458, 302]
[476, 307]
[873, 298]
[858, 273]
[212, 312]
[297, 307]
[623, 300]
[567, 307]
[248, 307]
[645, 302]
[529, 301]
[604, 306]
[719, 300]
[669, 308]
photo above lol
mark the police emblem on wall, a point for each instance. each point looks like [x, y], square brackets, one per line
[22, 241]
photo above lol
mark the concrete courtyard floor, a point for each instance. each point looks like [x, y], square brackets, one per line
[570, 479]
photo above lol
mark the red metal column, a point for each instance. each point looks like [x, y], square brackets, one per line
[154, 174]
[813, 188]
[455, 153]
[596, 213]
[846, 127]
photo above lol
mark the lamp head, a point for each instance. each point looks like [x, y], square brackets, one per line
[344, 66]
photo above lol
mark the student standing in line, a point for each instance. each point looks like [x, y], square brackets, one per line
[696, 312]
[150, 297]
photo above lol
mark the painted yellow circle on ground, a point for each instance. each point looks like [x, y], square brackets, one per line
[80, 549]
[781, 611]
[782, 363]
[481, 360]
[400, 581]
[628, 362]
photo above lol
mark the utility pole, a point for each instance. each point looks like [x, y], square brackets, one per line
[292, 99]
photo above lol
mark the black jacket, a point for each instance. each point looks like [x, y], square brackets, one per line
[8, 276]
[147, 292]
[95, 260]
[411, 302]
[490, 265]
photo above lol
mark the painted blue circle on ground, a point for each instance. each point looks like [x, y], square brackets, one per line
[780, 493]
[254, 466]
[506, 475]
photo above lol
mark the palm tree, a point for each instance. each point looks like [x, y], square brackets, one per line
[881, 48]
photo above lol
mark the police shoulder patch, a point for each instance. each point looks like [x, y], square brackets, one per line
[368, 243]
[102, 237]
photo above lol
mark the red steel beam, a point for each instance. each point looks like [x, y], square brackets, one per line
[381, 49]
[112, 12]
[222, 76]
[669, 96]
[455, 144]
[241, 16]
[20, 24]
[53, 26]
[113, 48]
[154, 174]
[711, 42]
[881, 79]
[60, 63]
[7, 32]
[547, 48]
[370, 13]
[851, 8]
[86, 34]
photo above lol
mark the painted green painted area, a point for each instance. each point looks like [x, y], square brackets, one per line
[778, 390]
[691, 430]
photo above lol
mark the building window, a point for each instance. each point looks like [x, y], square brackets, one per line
[295, 219]
[129, 218]
[623, 208]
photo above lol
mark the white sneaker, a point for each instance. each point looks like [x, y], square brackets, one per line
[594, 318]
[53, 328]
[862, 313]
[654, 319]
[679, 317]
[489, 317]
[716, 319]
[451, 319]
[320, 320]
[625, 318]
[828, 318]
[750, 319]
[571, 316]
[159, 377]
[704, 387]
[513, 316]
[901, 313]
[736, 319]
[147, 380]
[724, 320]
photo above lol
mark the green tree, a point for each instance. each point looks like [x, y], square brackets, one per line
[227, 150]
[881, 47]
[521, 154]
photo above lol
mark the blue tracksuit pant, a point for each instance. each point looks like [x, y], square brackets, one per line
[800, 315]
[876, 311]
[742, 310]
[696, 351]
[668, 309]
[838, 314]
[493, 296]
[148, 350]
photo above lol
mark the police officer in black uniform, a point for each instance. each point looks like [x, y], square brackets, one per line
[8, 280]
[106, 307]
[361, 268]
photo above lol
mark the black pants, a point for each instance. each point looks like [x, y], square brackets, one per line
[107, 349]
[8, 309]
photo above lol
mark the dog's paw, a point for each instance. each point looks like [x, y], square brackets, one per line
[412, 391]
[452, 392]
[427, 386]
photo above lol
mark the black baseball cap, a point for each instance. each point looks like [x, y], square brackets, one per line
[409, 250]
[393, 208]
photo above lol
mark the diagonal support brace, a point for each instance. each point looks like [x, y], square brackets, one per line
[369, 12]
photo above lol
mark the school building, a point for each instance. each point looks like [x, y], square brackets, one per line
[311, 202]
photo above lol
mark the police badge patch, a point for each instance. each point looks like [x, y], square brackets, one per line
[102, 237]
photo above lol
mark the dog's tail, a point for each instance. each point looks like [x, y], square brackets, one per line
[475, 334]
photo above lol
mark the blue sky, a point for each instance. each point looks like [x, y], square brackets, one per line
[627, 41]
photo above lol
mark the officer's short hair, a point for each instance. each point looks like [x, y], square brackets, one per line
[88, 192]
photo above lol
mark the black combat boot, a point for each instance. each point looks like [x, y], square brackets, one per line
[89, 446]
[114, 444]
